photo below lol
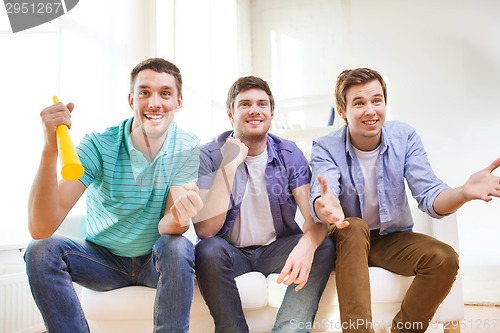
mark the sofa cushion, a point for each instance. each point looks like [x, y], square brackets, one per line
[137, 302]
[129, 302]
[253, 288]
[386, 287]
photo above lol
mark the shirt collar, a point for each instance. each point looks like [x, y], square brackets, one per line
[138, 161]
[126, 131]
[384, 144]
[348, 146]
[385, 140]
[271, 149]
[221, 139]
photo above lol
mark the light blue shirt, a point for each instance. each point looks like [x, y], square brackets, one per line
[402, 156]
[126, 195]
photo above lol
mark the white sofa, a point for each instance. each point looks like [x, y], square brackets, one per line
[129, 310]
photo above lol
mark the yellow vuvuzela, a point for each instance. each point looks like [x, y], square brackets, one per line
[72, 168]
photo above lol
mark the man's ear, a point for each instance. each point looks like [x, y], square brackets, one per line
[230, 116]
[180, 100]
[341, 113]
[131, 101]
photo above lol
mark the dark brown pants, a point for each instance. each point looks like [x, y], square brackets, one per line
[433, 263]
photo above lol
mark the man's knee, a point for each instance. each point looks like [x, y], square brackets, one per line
[39, 250]
[42, 255]
[445, 257]
[357, 229]
[212, 252]
[210, 246]
[174, 245]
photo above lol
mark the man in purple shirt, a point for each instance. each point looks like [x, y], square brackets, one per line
[252, 182]
[359, 171]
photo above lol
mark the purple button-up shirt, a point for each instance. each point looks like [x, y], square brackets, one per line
[287, 168]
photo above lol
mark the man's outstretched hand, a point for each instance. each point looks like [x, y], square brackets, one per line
[328, 208]
[483, 185]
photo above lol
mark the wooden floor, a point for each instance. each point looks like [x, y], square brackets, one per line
[478, 319]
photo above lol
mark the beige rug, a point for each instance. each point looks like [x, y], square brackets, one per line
[481, 285]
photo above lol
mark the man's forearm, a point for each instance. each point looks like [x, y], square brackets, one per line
[314, 233]
[216, 203]
[43, 214]
[168, 225]
[449, 200]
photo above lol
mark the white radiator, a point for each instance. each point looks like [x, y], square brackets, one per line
[18, 311]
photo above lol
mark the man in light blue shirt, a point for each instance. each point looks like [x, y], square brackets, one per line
[359, 171]
[139, 202]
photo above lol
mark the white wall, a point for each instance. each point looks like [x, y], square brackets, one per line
[29, 79]
[211, 48]
[442, 61]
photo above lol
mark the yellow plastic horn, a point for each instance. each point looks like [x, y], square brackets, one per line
[72, 168]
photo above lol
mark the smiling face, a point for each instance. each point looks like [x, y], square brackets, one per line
[251, 116]
[365, 114]
[154, 101]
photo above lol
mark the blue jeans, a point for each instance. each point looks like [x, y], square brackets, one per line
[52, 265]
[218, 262]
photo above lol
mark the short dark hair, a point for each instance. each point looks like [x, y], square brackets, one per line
[352, 77]
[243, 84]
[158, 65]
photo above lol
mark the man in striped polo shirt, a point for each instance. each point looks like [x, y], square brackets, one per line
[139, 178]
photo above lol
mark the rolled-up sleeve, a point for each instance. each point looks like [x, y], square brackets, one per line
[424, 185]
[323, 164]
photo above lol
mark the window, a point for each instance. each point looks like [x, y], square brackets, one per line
[83, 58]
[29, 79]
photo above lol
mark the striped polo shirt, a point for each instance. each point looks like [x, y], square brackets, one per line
[126, 195]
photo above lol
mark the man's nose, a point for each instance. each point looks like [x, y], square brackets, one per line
[369, 109]
[154, 101]
[254, 109]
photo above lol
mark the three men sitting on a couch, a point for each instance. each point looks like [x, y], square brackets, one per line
[140, 202]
